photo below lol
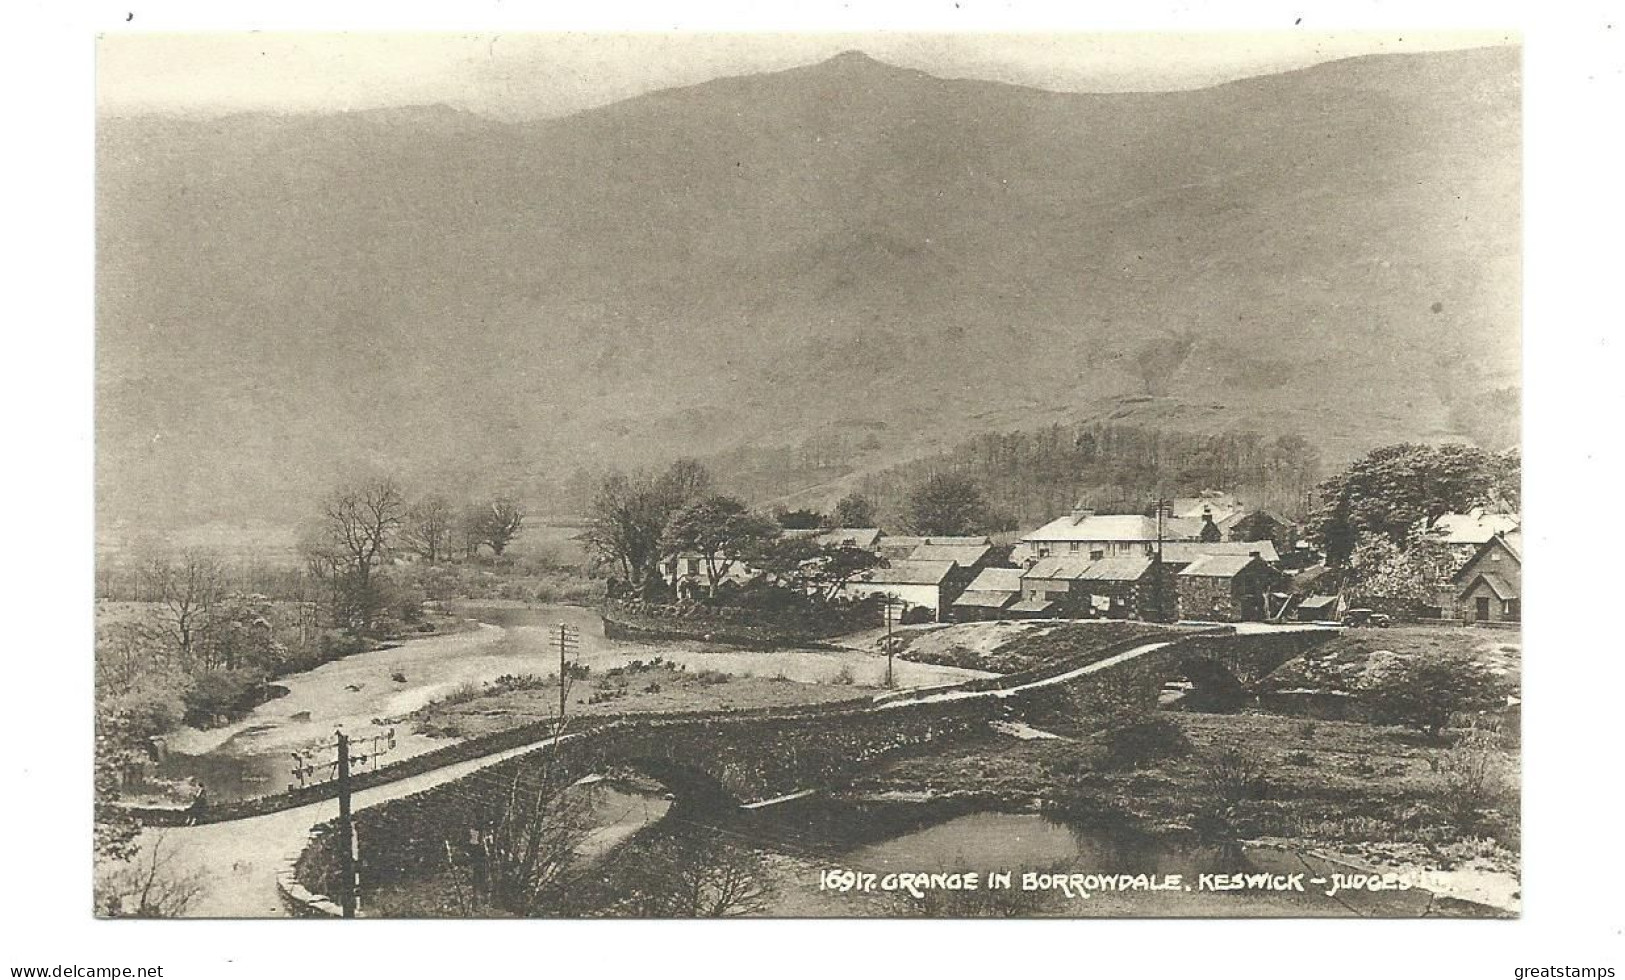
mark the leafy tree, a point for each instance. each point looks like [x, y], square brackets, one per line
[799, 520]
[855, 510]
[1394, 490]
[1506, 469]
[241, 635]
[790, 560]
[1425, 692]
[115, 830]
[948, 504]
[629, 514]
[220, 693]
[833, 567]
[722, 531]
[1380, 569]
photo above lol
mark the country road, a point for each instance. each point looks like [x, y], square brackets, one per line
[240, 859]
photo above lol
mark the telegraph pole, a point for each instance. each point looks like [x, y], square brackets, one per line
[890, 645]
[1162, 611]
[349, 875]
[569, 640]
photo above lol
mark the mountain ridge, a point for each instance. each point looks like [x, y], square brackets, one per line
[469, 299]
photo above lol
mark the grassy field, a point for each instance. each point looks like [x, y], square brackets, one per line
[643, 686]
[1348, 656]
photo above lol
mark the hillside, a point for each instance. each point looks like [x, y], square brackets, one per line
[846, 255]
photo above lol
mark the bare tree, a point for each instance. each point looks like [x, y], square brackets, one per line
[471, 529]
[358, 531]
[696, 875]
[148, 885]
[428, 528]
[518, 857]
[186, 590]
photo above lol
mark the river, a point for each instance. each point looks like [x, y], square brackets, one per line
[363, 692]
[811, 836]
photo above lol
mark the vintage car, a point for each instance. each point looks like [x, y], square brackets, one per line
[1366, 617]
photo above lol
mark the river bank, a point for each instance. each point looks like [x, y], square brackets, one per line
[499, 671]
[1364, 796]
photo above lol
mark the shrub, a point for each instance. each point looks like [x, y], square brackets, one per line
[142, 712]
[1298, 758]
[1306, 729]
[842, 676]
[916, 615]
[464, 692]
[711, 677]
[1138, 740]
[219, 693]
[1235, 774]
[1425, 693]
[1474, 785]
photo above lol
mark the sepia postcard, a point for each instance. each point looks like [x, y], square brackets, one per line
[891, 475]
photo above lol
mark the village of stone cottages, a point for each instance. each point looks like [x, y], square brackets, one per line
[754, 693]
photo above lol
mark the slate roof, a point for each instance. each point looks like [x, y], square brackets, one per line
[1218, 566]
[1184, 551]
[1473, 528]
[1497, 584]
[1114, 527]
[901, 546]
[965, 554]
[1064, 567]
[1222, 506]
[1128, 568]
[856, 537]
[996, 580]
[909, 573]
[986, 598]
[1033, 606]
[1512, 541]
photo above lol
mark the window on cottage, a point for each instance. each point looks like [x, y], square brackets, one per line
[1511, 609]
[1073, 546]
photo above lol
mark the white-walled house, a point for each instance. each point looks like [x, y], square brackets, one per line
[916, 583]
[1085, 534]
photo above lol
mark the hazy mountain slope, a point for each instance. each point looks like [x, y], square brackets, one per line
[745, 261]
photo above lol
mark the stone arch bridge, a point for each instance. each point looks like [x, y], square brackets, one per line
[728, 758]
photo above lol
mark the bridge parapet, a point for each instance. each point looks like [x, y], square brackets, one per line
[735, 759]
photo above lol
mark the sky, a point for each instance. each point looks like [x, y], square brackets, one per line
[529, 75]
